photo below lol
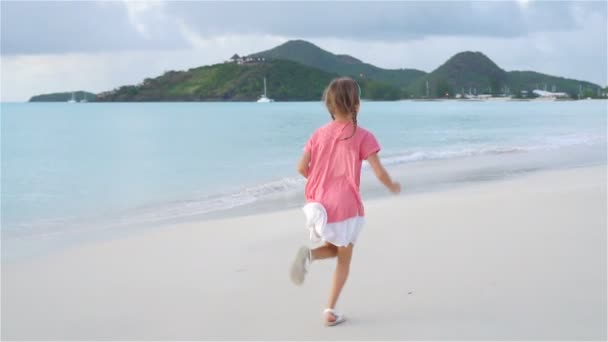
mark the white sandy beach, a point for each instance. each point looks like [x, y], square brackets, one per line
[523, 258]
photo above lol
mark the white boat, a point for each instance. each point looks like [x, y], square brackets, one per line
[72, 100]
[263, 98]
[470, 97]
[85, 99]
[500, 98]
[543, 95]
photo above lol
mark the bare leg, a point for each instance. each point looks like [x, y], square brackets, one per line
[324, 252]
[305, 256]
[342, 268]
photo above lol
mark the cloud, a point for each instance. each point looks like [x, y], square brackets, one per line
[56, 27]
[138, 13]
[57, 46]
[43, 27]
[386, 21]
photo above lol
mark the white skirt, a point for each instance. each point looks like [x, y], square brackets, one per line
[344, 232]
[340, 233]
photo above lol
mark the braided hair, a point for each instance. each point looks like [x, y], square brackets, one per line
[342, 96]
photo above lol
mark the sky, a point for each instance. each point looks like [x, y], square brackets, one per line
[53, 46]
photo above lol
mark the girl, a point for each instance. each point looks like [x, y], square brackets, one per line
[332, 165]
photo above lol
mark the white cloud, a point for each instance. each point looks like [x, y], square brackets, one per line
[523, 3]
[147, 16]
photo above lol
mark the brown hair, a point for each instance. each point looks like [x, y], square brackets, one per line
[342, 96]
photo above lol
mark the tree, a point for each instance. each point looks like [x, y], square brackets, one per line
[444, 89]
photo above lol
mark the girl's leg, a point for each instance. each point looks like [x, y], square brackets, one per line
[342, 268]
[324, 252]
[306, 256]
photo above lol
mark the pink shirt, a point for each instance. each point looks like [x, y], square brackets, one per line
[335, 168]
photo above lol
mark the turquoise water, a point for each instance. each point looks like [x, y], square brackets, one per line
[79, 168]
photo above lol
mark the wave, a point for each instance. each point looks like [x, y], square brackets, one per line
[289, 187]
[276, 189]
[545, 143]
[285, 188]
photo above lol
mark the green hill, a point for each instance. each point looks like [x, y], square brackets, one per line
[299, 71]
[476, 73]
[64, 97]
[309, 54]
[529, 80]
[465, 70]
[286, 81]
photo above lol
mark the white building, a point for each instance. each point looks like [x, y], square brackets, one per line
[549, 95]
[245, 60]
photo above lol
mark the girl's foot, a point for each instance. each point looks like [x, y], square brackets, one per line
[332, 317]
[300, 265]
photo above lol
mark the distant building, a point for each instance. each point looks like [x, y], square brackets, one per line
[235, 58]
[479, 97]
[549, 95]
[245, 60]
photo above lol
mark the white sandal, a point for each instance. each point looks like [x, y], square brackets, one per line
[300, 265]
[339, 318]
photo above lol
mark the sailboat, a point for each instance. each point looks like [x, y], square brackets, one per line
[85, 99]
[72, 100]
[263, 98]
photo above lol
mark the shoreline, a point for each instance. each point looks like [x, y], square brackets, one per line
[419, 177]
[157, 182]
[518, 258]
[491, 99]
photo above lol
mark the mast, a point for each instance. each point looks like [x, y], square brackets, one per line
[264, 86]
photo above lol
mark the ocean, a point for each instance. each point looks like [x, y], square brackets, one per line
[73, 173]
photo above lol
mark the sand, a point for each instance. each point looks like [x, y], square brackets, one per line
[523, 258]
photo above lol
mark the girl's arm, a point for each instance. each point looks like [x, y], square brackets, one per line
[304, 164]
[382, 175]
